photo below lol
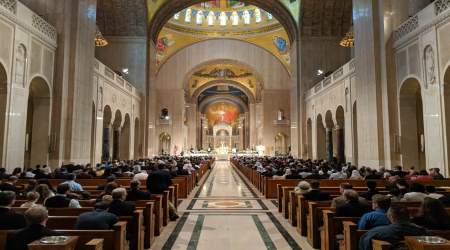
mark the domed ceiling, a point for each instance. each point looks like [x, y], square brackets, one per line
[223, 19]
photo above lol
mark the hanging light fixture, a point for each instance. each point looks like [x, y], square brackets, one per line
[100, 41]
[349, 39]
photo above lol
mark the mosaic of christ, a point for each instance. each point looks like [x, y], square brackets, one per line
[222, 113]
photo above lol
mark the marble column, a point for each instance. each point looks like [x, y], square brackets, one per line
[340, 143]
[368, 82]
[329, 143]
[253, 132]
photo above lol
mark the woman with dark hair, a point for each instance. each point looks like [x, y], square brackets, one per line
[433, 215]
[44, 193]
[17, 172]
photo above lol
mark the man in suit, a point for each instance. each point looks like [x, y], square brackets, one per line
[119, 206]
[60, 200]
[99, 219]
[340, 200]
[315, 194]
[371, 190]
[9, 220]
[159, 180]
[37, 217]
[135, 194]
[10, 184]
[352, 207]
[394, 233]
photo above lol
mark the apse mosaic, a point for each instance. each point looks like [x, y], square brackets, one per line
[222, 113]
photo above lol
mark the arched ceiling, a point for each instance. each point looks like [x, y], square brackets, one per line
[314, 17]
[222, 75]
[223, 19]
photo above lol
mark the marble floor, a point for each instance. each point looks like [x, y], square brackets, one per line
[226, 212]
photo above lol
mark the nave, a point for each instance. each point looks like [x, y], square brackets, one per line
[226, 212]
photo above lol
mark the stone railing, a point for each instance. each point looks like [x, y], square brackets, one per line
[33, 23]
[430, 15]
[111, 76]
[335, 77]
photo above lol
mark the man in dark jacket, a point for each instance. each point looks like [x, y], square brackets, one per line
[395, 232]
[119, 206]
[158, 181]
[8, 218]
[10, 184]
[99, 219]
[315, 194]
[60, 200]
[135, 194]
[352, 206]
[37, 217]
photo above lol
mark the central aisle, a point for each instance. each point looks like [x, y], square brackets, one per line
[226, 213]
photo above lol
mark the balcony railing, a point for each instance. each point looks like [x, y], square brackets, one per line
[32, 22]
[422, 19]
[335, 77]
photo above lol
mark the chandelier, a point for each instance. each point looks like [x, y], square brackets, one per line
[348, 41]
[100, 41]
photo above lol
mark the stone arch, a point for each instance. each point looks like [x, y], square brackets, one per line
[165, 141]
[222, 98]
[281, 147]
[411, 124]
[251, 97]
[169, 8]
[227, 50]
[38, 123]
[3, 111]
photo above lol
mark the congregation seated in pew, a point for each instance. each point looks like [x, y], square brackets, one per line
[36, 217]
[394, 233]
[9, 219]
[98, 219]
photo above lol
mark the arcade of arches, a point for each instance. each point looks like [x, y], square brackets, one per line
[284, 77]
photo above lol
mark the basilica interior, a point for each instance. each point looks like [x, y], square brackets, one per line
[363, 82]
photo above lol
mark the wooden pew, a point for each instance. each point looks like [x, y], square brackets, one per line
[332, 226]
[315, 221]
[149, 217]
[94, 244]
[69, 244]
[293, 204]
[286, 201]
[352, 235]
[113, 239]
[134, 226]
[413, 243]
